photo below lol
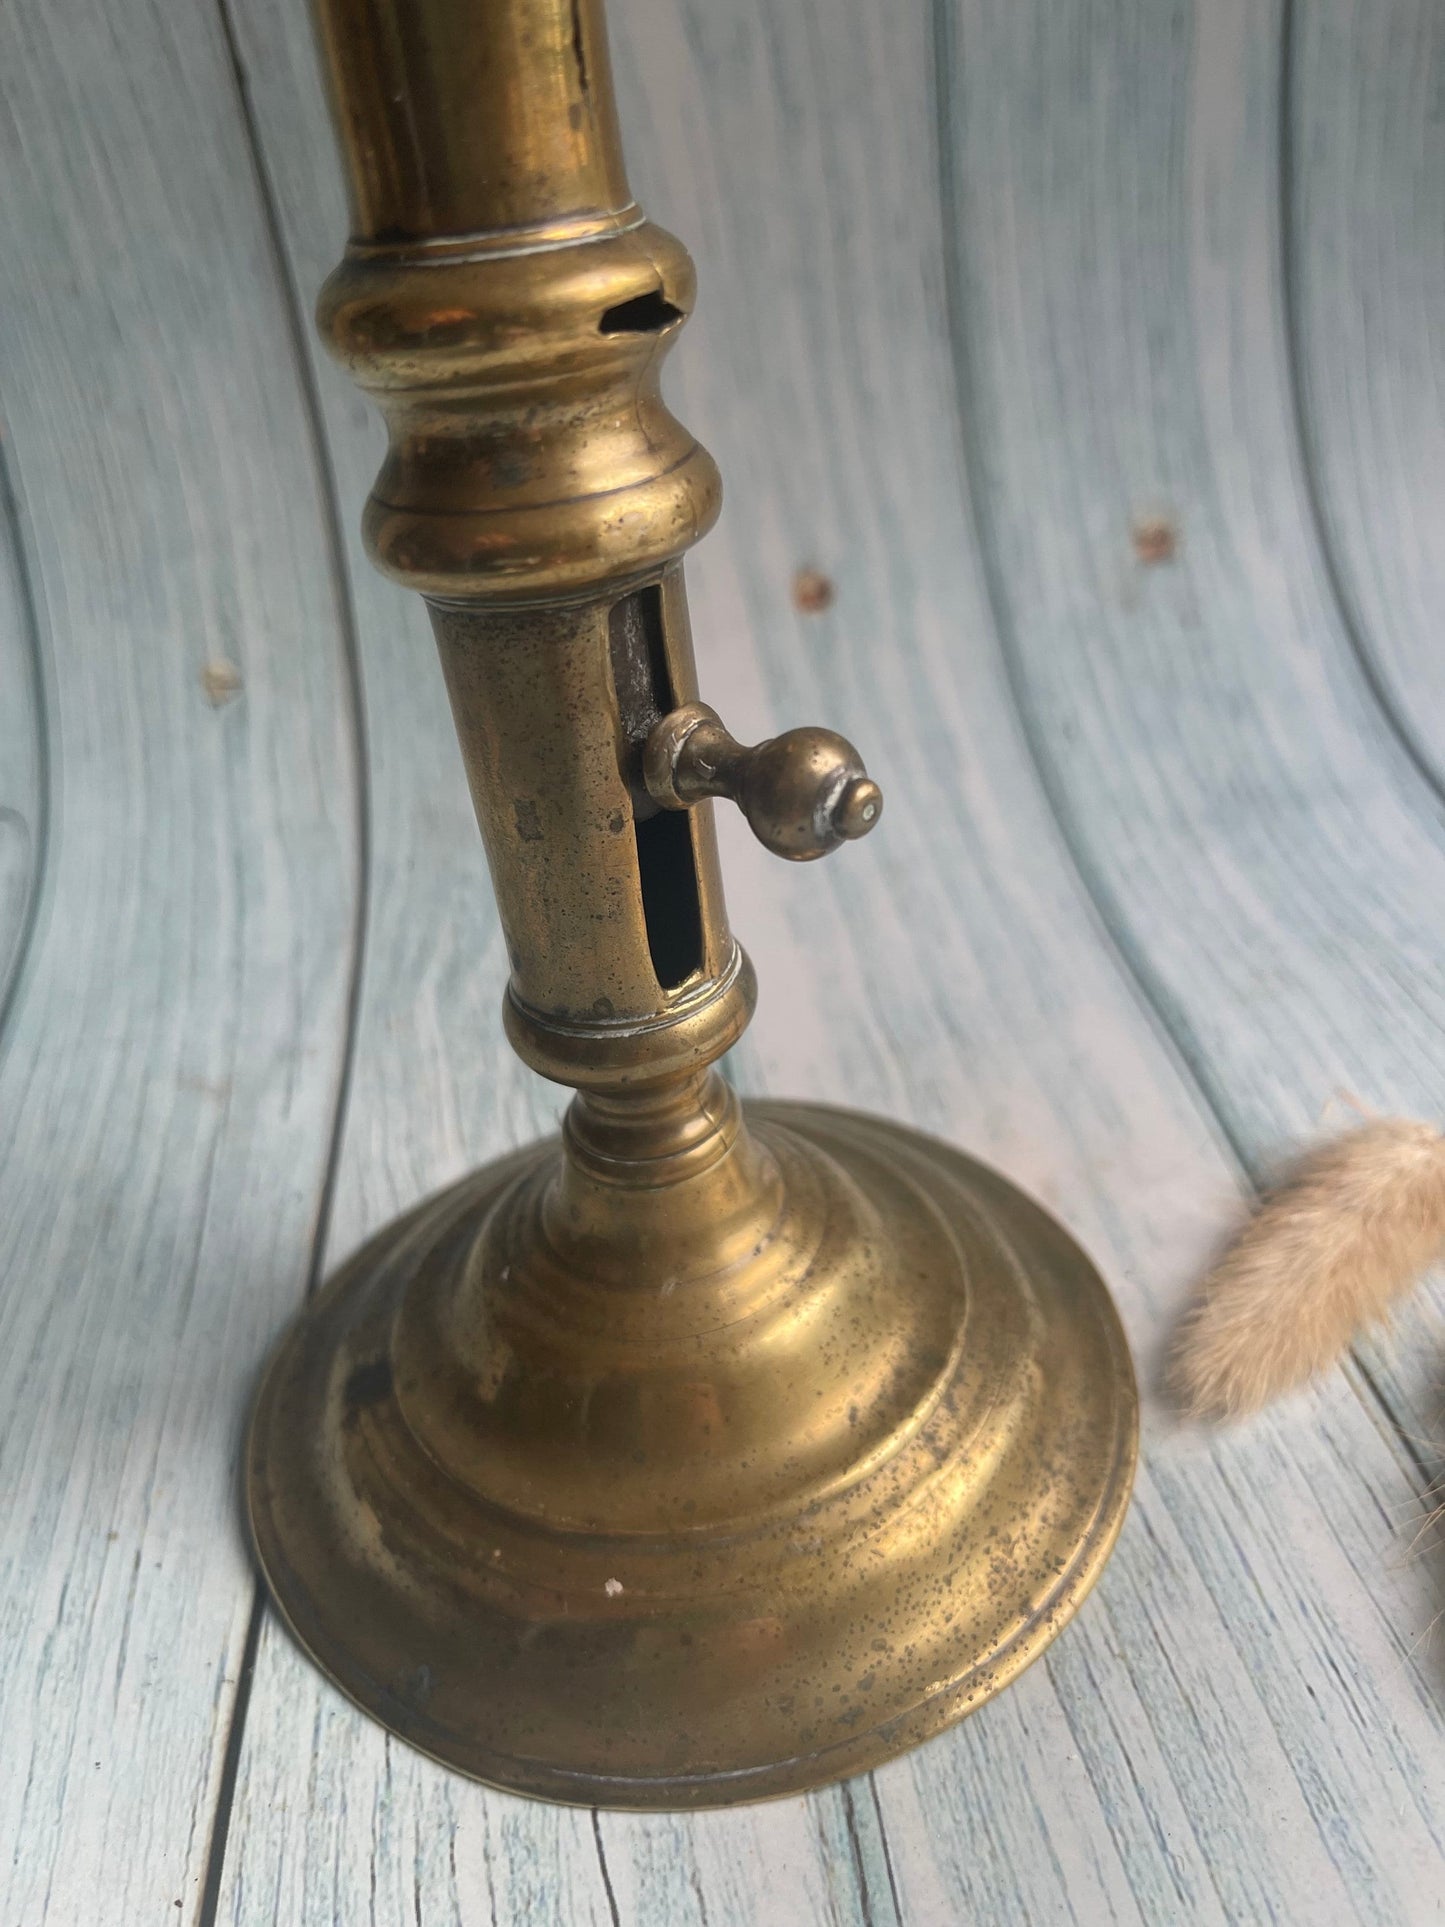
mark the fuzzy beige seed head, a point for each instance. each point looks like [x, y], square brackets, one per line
[1345, 1235]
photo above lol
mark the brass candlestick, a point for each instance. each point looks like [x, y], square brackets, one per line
[713, 1451]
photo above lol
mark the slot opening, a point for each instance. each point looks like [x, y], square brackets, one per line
[670, 906]
[666, 866]
[644, 314]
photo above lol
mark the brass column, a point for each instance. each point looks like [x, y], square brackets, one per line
[694, 1457]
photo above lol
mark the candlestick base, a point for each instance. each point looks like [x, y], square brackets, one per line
[640, 1547]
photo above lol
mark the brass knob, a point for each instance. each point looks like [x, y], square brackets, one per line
[803, 793]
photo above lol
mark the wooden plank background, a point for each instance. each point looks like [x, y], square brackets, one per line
[1094, 352]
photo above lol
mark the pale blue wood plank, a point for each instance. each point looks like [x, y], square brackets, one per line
[1248, 817]
[982, 981]
[1193, 1746]
[24, 799]
[1365, 263]
[1186, 1752]
[169, 1076]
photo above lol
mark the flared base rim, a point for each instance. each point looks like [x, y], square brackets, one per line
[729, 1667]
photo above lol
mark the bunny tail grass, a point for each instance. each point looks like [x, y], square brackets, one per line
[1346, 1234]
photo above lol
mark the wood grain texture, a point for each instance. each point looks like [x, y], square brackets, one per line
[1256, 832]
[24, 745]
[168, 1072]
[1365, 279]
[983, 284]
[1195, 1747]
[992, 997]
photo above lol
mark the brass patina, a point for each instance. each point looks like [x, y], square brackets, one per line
[714, 1450]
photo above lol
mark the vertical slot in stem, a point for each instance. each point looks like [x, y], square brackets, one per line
[666, 868]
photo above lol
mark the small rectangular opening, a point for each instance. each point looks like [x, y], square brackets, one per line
[644, 314]
[666, 869]
[670, 903]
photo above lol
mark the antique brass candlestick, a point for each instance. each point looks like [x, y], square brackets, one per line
[713, 1451]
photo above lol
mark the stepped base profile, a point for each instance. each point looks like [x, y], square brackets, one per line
[588, 1530]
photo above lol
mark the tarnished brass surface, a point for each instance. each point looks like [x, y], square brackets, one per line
[696, 1456]
[646, 1541]
[505, 304]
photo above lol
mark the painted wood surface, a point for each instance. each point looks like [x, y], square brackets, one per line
[171, 1056]
[1364, 96]
[24, 816]
[1267, 853]
[999, 301]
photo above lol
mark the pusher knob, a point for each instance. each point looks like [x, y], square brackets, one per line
[803, 793]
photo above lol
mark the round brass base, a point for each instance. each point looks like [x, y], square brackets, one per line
[688, 1545]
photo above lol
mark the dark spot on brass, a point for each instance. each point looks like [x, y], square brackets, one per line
[512, 471]
[417, 1686]
[368, 1385]
[529, 825]
[579, 45]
